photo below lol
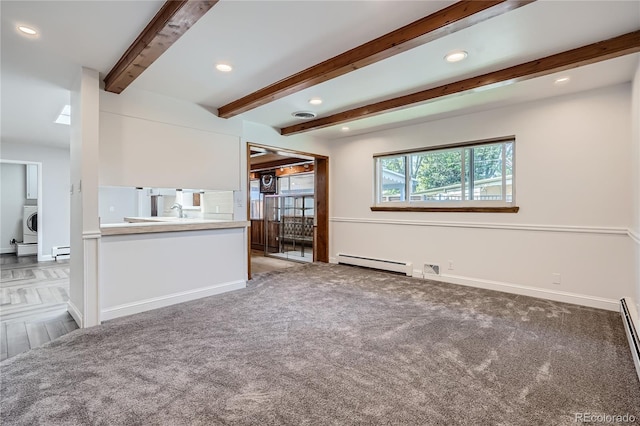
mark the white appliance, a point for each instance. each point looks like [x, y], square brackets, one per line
[30, 225]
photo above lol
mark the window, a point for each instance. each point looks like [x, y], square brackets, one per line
[257, 200]
[476, 176]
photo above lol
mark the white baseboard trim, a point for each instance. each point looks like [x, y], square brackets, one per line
[46, 258]
[558, 296]
[75, 313]
[631, 329]
[9, 250]
[171, 299]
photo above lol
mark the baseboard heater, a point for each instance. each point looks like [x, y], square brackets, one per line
[368, 262]
[61, 252]
[629, 318]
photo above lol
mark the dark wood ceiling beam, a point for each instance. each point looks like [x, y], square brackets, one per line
[277, 163]
[170, 23]
[446, 21]
[596, 52]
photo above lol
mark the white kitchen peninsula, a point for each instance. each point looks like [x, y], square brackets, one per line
[148, 265]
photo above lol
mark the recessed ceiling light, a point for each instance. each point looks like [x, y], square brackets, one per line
[315, 101]
[345, 129]
[27, 30]
[562, 80]
[456, 56]
[224, 67]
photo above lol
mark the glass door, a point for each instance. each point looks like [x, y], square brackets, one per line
[289, 221]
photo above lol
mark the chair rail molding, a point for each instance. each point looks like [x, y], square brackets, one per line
[486, 225]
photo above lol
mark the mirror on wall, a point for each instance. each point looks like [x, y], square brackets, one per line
[116, 203]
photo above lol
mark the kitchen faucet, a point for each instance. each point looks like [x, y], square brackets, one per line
[179, 207]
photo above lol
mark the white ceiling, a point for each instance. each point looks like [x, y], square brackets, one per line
[266, 41]
[37, 73]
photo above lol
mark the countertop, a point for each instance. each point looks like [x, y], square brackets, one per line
[146, 225]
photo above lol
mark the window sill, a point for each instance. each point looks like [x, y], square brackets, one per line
[445, 209]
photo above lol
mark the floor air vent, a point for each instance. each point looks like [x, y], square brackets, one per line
[368, 262]
[629, 316]
[431, 269]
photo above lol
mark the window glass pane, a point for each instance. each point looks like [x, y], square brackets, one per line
[487, 172]
[509, 170]
[283, 185]
[468, 194]
[436, 176]
[257, 200]
[301, 183]
[467, 174]
[392, 179]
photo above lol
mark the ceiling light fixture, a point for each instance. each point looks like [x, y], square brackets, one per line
[224, 67]
[27, 30]
[304, 115]
[345, 129]
[456, 56]
[562, 80]
[315, 101]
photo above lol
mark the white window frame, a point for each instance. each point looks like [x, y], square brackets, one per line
[435, 204]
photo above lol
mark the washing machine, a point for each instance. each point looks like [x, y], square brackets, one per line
[30, 225]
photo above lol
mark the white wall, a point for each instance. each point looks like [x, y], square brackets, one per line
[117, 202]
[148, 271]
[265, 135]
[635, 189]
[13, 196]
[85, 227]
[149, 140]
[54, 206]
[572, 180]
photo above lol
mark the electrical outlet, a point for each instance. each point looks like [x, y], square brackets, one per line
[451, 265]
[555, 278]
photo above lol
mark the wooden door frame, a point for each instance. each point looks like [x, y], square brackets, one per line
[321, 183]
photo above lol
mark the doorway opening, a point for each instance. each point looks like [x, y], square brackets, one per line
[287, 208]
[21, 205]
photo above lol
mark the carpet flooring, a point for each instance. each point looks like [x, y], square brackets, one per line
[332, 345]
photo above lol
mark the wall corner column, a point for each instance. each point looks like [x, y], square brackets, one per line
[85, 223]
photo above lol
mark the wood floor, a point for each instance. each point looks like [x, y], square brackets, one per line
[261, 264]
[33, 303]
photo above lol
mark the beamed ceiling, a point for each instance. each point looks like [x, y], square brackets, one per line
[374, 64]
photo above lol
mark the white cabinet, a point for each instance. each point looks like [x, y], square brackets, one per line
[32, 181]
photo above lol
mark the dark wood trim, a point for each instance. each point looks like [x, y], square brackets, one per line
[454, 18]
[173, 19]
[592, 53]
[289, 170]
[249, 229]
[285, 162]
[446, 209]
[321, 228]
[275, 148]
